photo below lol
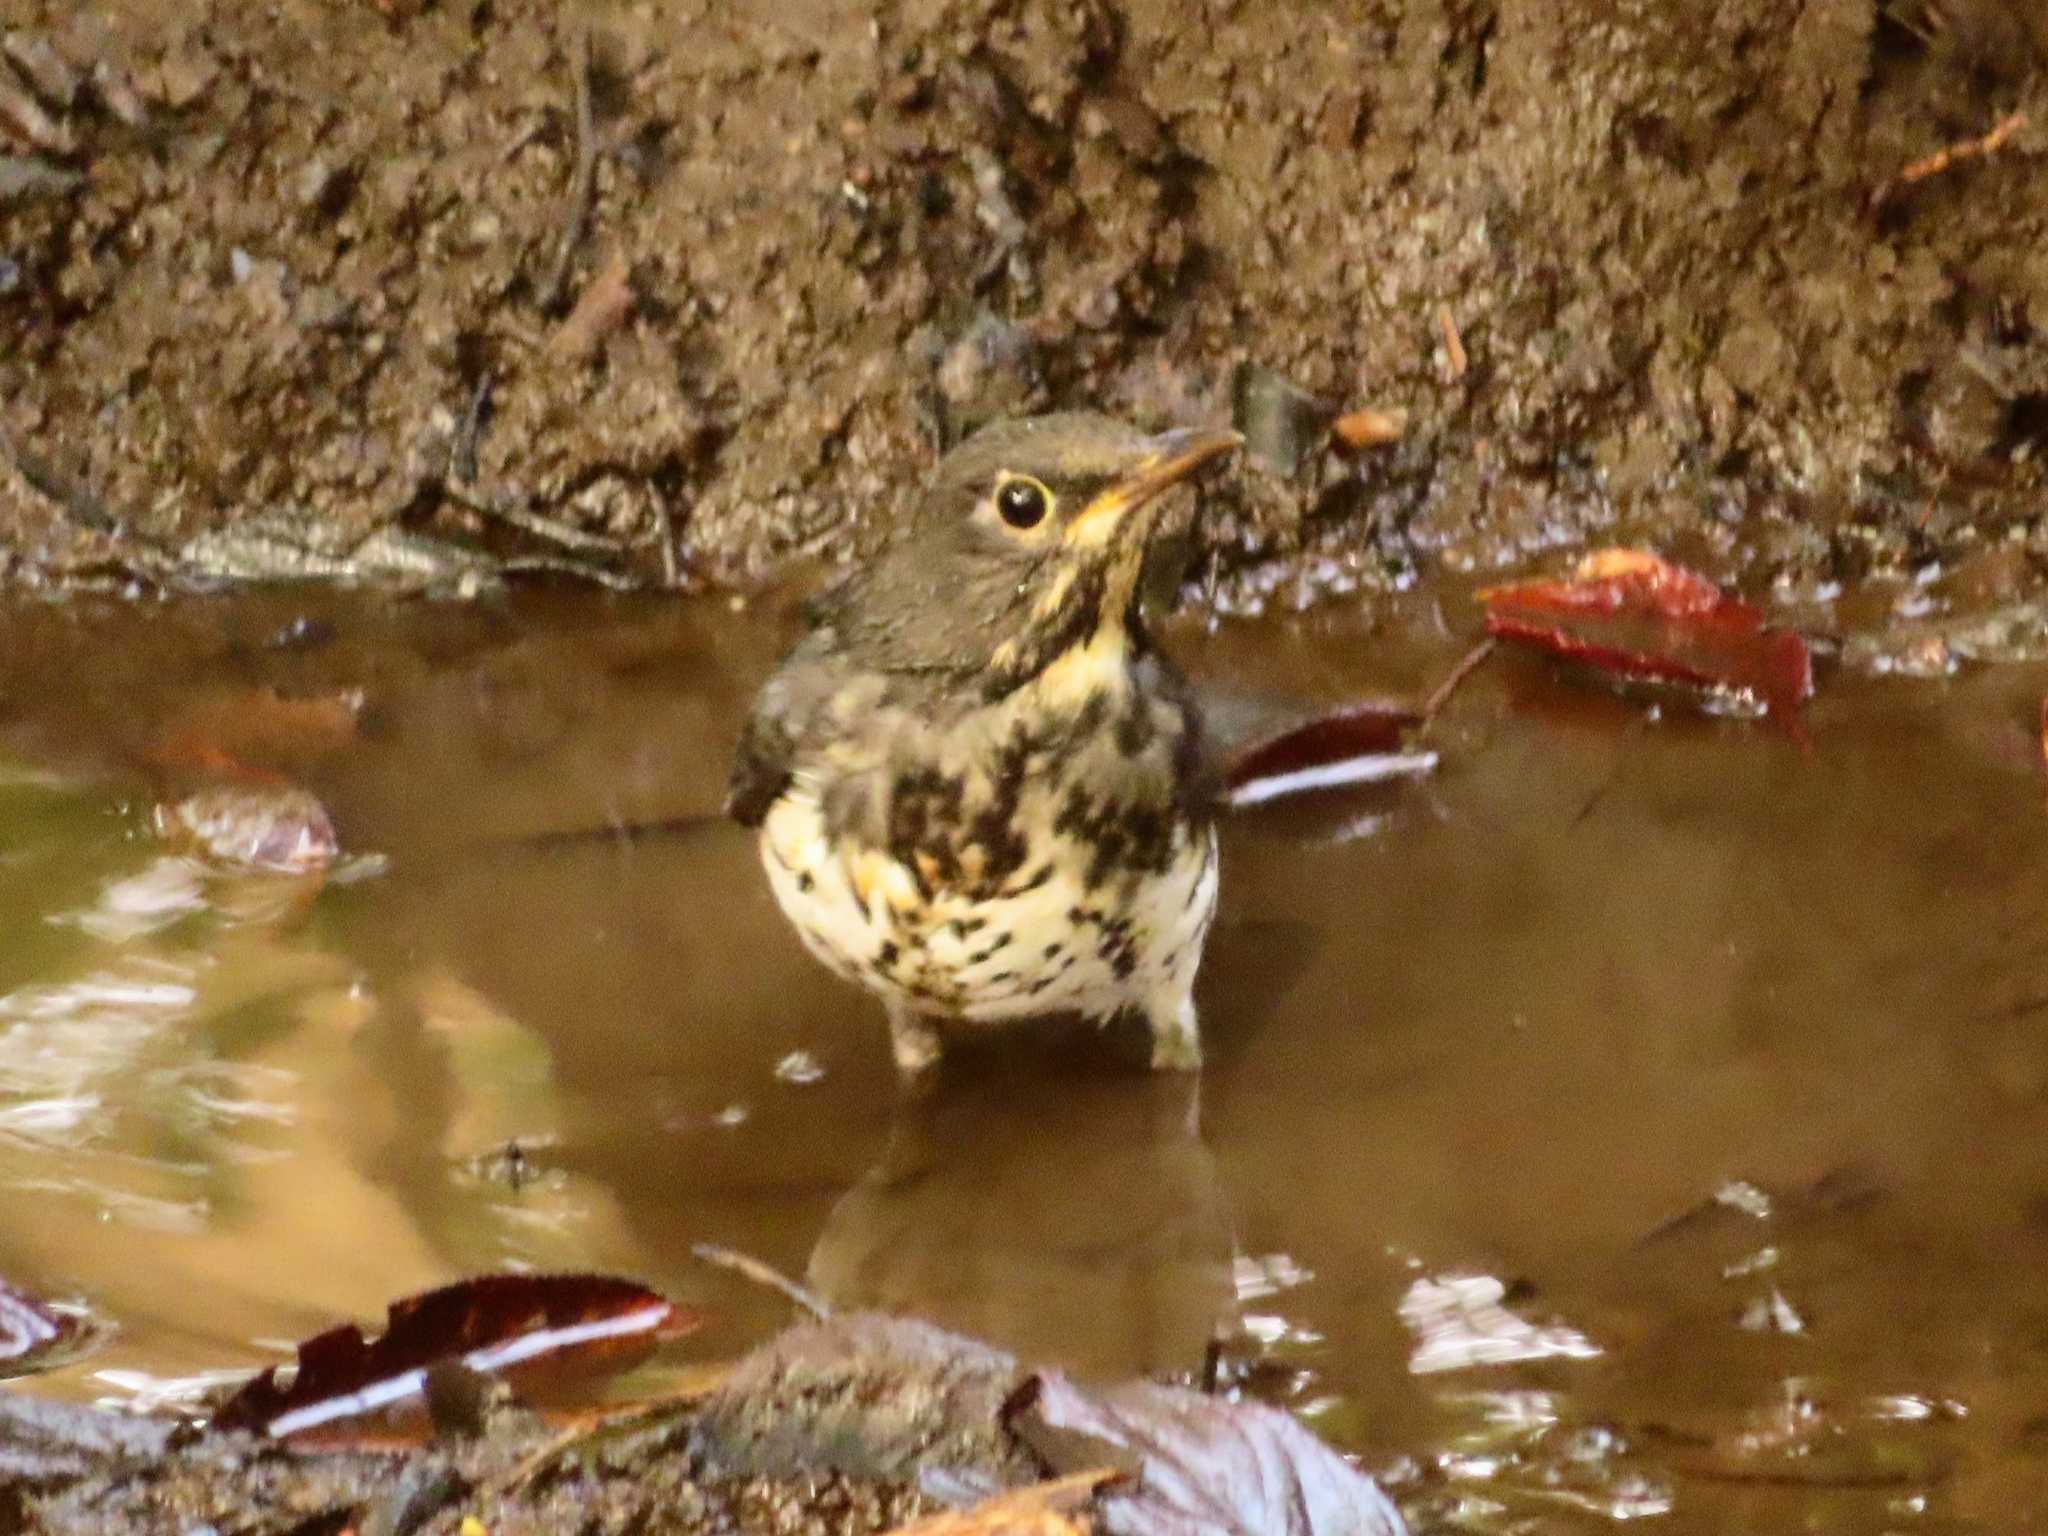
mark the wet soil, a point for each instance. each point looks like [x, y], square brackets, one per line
[701, 285]
[1642, 1115]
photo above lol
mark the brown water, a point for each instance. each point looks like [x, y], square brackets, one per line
[1640, 1116]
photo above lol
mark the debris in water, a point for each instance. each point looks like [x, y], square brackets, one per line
[1459, 1322]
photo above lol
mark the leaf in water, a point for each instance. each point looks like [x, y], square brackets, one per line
[1459, 1322]
[272, 828]
[1053, 1508]
[1631, 614]
[35, 1336]
[249, 734]
[1354, 744]
[540, 1332]
[1199, 1466]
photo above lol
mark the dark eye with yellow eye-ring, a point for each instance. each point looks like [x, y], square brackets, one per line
[1023, 503]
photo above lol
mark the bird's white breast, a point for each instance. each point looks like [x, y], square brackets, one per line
[1044, 942]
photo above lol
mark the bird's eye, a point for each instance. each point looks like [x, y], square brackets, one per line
[1023, 503]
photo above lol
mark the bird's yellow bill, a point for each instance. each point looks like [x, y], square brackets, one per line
[1172, 457]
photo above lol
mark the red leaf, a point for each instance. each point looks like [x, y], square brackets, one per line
[537, 1331]
[1349, 745]
[35, 1336]
[1631, 614]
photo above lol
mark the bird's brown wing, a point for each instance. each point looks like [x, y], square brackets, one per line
[760, 769]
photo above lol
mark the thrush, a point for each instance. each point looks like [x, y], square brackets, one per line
[980, 792]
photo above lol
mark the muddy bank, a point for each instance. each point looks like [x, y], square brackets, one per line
[675, 290]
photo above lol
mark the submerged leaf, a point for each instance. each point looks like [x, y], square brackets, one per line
[1631, 614]
[1200, 1466]
[34, 1335]
[1354, 744]
[539, 1332]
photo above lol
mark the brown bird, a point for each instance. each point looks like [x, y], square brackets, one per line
[979, 792]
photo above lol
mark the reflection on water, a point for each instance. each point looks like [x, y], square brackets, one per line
[1635, 1117]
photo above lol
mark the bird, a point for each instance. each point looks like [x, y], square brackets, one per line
[980, 792]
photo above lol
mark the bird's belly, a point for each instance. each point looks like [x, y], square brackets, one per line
[1042, 942]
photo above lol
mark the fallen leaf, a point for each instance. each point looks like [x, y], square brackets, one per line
[1631, 614]
[1198, 1465]
[271, 828]
[249, 734]
[34, 1336]
[1354, 744]
[1052, 1508]
[1460, 1321]
[538, 1332]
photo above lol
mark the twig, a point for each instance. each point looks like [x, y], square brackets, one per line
[462, 455]
[1441, 694]
[583, 188]
[665, 534]
[762, 1274]
[1942, 159]
[553, 531]
[1454, 344]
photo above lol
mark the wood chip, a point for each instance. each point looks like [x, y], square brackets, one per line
[1369, 428]
[1454, 344]
[604, 304]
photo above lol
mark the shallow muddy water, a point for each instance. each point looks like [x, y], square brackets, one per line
[1640, 1116]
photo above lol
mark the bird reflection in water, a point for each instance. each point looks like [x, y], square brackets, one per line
[1071, 1219]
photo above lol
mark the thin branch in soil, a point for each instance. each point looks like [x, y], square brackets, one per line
[1942, 159]
[549, 529]
[665, 537]
[1454, 344]
[583, 188]
[462, 454]
[763, 1274]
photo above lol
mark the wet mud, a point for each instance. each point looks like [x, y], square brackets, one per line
[402, 289]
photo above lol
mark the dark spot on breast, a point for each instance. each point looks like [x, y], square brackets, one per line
[999, 942]
[1002, 976]
[805, 883]
[1040, 985]
[1053, 949]
[887, 955]
[963, 926]
[1135, 728]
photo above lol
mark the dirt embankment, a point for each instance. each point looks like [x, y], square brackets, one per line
[585, 282]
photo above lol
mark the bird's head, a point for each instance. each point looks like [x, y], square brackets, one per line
[1026, 544]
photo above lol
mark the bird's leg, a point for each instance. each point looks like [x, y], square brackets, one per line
[1176, 1037]
[913, 1038]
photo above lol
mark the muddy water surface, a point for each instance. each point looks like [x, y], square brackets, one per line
[1640, 1116]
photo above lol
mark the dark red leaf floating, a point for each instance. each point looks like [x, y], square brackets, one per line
[1199, 1466]
[1632, 614]
[1351, 745]
[34, 1335]
[539, 1332]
